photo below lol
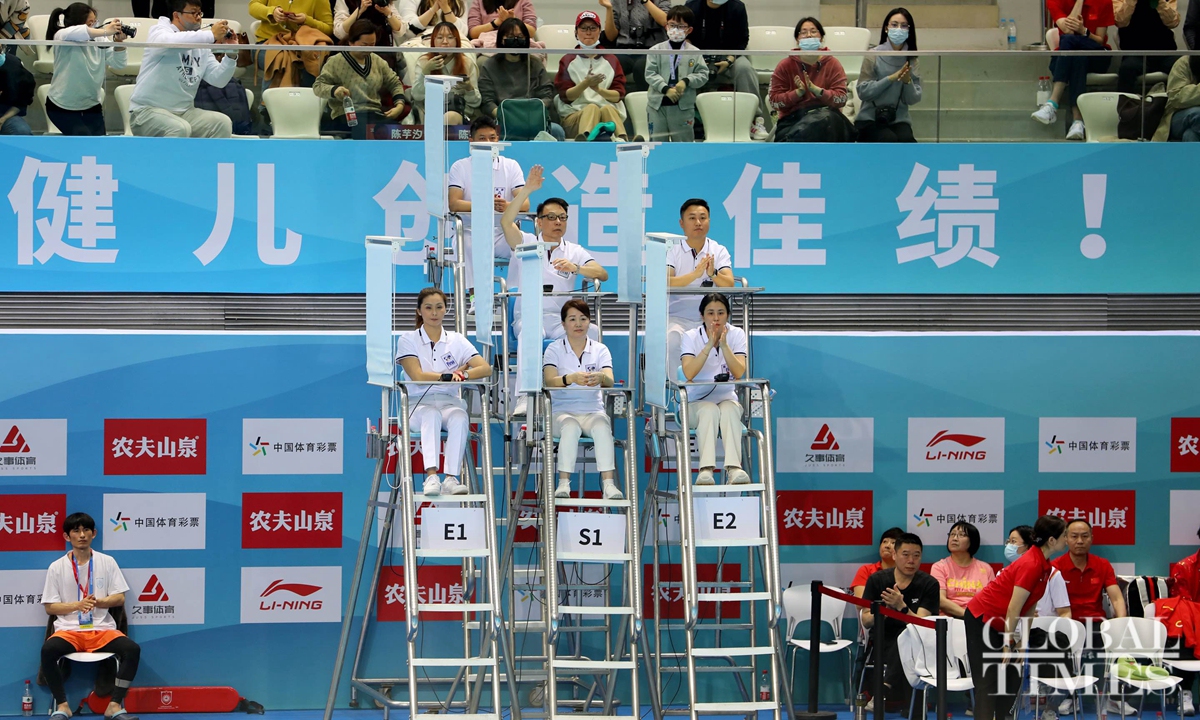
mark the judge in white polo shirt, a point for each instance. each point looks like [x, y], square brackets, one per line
[432, 353]
[580, 365]
[564, 264]
[716, 352]
[698, 261]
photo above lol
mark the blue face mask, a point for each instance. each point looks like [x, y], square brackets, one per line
[1011, 552]
[810, 44]
[897, 36]
[719, 3]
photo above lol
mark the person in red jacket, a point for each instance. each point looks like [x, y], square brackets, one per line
[808, 91]
[1185, 583]
[1081, 25]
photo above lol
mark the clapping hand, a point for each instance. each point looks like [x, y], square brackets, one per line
[502, 14]
[500, 204]
[606, 4]
[894, 599]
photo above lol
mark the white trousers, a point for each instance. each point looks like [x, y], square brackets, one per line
[194, 122]
[569, 427]
[553, 330]
[432, 416]
[676, 327]
[706, 418]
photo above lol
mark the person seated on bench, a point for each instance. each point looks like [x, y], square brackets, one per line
[80, 588]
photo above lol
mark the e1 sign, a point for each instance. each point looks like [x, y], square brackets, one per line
[450, 528]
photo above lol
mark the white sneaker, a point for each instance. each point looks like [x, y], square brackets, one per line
[1066, 707]
[432, 486]
[564, 489]
[1116, 707]
[737, 476]
[1046, 114]
[705, 478]
[1049, 714]
[1076, 132]
[1185, 701]
[451, 486]
[471, 305]
[870, 705]
[521, 406]
[610, 490]
[758, 131]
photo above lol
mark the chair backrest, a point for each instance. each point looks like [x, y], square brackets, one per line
[40, 95]
[770, 37]
[911, 648]
[295, 112]
[727, 115]
[848, 39]
[797, 605]
[556, 37]
[956, 646]
[1074, 630]
[1100, 117]
[37, 25]
[250, 99]
[1133, 636]
[636, 110]
[122, 94]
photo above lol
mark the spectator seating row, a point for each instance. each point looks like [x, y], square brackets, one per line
[122, 95]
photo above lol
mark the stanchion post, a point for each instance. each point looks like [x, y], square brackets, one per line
[814, 660]
[877, 652]
[941, 630]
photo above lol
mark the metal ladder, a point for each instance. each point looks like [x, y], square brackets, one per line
[706, 628]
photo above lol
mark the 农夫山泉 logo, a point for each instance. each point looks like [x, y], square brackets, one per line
[155, 446]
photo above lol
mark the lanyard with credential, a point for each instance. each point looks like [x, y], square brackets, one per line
[85, 621]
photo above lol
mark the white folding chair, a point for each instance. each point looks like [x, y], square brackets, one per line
[1134, 637]
[43, 62]
[918, 657]
[1172, 659]
[797, 608]
[849, 39]
[1075, 680]
[1100, 118]
[556, 37]
[122, 93]
[636, 110]
[295, 112]
[727, 115]
[770, 37]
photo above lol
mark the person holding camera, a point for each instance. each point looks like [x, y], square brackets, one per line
[888, 84]
[637, 25]
[421, 17]
[716, 352]
[433, 354]
[74, 101]
[163, 103]
[389, 27]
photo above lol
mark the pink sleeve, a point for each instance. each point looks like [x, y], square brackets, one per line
[525, 11]
[475, 14]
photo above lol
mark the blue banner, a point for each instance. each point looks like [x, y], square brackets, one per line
[135, 214]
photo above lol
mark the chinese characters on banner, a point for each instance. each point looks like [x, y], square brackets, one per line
[1110, 512]
[32, 522]
[669, 590]
[155, 447]
[292, 520]
[436, 584]
[825, 517]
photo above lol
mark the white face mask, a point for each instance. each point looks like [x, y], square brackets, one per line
[676, 35]
[591, 46]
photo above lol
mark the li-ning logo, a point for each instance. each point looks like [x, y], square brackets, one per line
[295, 588]
[958, 438]
[154, 592]
[14, 442]
[1055, 445]
[120, 522]
[260, 447]
[923, 518]
[825, 439]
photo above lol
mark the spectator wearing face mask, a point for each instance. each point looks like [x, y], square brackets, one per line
[888, 84]
[809, 91]
[516, 75]
[590, 87]
[673, 79]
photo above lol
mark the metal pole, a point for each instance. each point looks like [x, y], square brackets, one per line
[814, 645]
[941, 667]
[877, 651]
[860, 13]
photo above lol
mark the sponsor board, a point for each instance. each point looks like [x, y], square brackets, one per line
[931, 514]
[165, 596]
[963, 444]
[292, 520]
[154, 521]
[292, 446]
[436, 584]
[32, 522]
[669, 590]
[1185, 445]
[1087, 444]
[825, 517]
[825, 445]
[291, 594]
[21, 598]
[155, 446]
[1185, 517]
[1110, 512]
[33, 447]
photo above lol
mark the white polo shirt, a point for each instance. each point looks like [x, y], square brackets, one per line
[1055, 596]
[448, 354]
[61, 588]
[693, 342]
[559, 281]
[574, 398]
[682, 259]
[508, 177]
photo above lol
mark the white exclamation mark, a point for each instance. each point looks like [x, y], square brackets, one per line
[1095, 187]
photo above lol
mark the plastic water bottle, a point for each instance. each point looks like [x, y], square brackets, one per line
[351, 115]
[764, 689]
[1011, 28]
[27, 701]
[1043, 91]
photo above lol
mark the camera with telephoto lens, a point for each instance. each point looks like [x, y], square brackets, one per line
[228, 33]
[128, 30]
[639, 35]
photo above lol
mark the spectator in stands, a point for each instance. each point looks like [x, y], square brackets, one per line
[14, 14]
[364, 77]
[390, 30]
[636, 25]
[1081, 25]
[673, 80]
[1055, 600]
[960, 576]
[1144, 25]
[1185, 583]
[578, 362]
[163, 103]
[82, 588]
[906, 590]
[1191, 26]
[712, 352]
[464, 101]
[508, 179]
[888, 84]
[514, 75]
[887, 560]
[284, 16]
[992, 618]
[16, 93]
[1181, 120]
[697, 261]
[431, 354]
[590, 87]
[421, 17]
[1088, 577]
[74, 101]
[565, 262]
[724, 25]
[809, 91]
[488, 15]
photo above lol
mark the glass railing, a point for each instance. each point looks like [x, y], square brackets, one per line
[842, 96]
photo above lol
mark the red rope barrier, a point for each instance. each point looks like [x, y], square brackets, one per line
[896, 615]
[848, 598]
